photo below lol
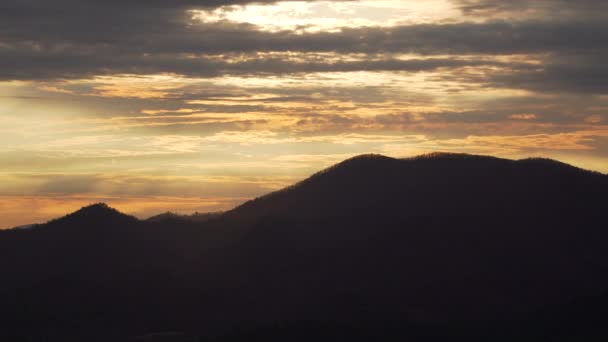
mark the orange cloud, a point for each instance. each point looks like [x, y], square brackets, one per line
[524, 116]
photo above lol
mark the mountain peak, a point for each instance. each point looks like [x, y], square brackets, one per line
[360, 160]
[449, 156]
[369, 156]
[97, 213]
[97, 208]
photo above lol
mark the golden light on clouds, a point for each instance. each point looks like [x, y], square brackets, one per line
[524, 116]
[329, 16]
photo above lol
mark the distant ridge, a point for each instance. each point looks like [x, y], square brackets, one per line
[174, 217]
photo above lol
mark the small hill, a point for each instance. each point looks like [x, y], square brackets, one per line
[94, 215]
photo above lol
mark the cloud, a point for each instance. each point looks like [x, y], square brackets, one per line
[493, 37]
[523, 8]
[562, 44]
[506, 145]
[582, 73]
[524, 116]
[72, 40]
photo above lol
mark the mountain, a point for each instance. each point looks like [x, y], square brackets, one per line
[437, 184]
[374, 248]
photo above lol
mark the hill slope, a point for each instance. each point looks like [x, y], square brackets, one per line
[430, 241]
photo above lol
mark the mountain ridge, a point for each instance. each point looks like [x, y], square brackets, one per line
[440, 241]
[365, 160]
[436, 170]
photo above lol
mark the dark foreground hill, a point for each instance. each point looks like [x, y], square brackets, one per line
[374, 248]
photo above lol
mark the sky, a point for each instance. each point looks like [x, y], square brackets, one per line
[199, 105]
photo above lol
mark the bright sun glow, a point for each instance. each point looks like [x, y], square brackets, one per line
[328, 15]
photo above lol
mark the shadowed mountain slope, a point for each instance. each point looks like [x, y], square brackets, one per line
[441, 241]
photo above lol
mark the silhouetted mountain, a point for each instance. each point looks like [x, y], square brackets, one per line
[437, 184]
[374, 248]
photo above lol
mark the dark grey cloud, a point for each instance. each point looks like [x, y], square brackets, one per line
[188, 53]
[551, 8]
[581, 73]
[62, 39]
[106, 22]
[559, 77]
[20, 66]
[153, 38]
